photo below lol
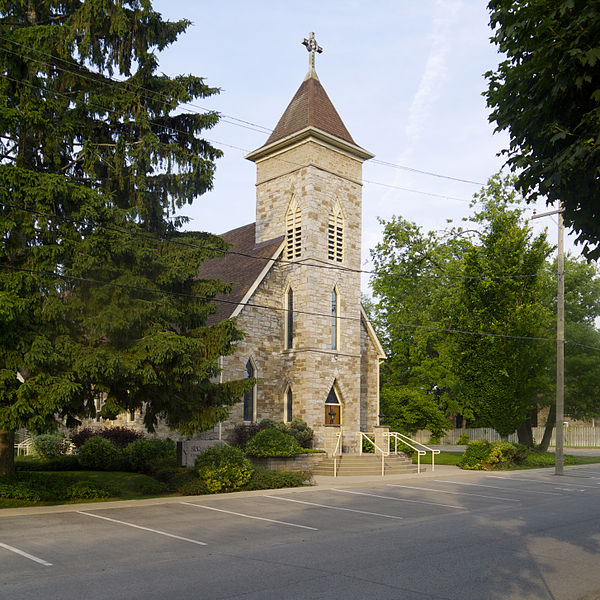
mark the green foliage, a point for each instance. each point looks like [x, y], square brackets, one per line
[272, 442]
[463, 440]
[223, 469]
[50, 445]
[121, 436]
[545, 94]
[38, 487]
[476, 453]
[500, 294]
[99, 291]
[410, 303]
[100, 454]
[495, 456]
[68, 462]
[145, 455]
[367, 447]
[193, 487]
[297, 428]
[265, 479]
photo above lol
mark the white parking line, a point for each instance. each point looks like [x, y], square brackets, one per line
[576, 489]
[26, 555]
[410, 487]
[579, 485]
[495, 487]
[230, 512]
[171, 535]
[398, 499]
[364, 512]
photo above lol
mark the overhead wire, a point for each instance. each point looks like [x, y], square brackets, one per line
[233, 120]
[175, 241]
[65, 277]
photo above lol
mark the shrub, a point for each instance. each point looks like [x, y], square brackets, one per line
[50, 445]
[223, 469]
[499, 455]
[367, 447]
[297, 428]
[145, 455]
[243, 433]
[265, 479]
[301, 431]
[121, 436]
[502, 455]
[463, 440]
[193, 487]
[100, 454]
[476, 453]
[272, 442]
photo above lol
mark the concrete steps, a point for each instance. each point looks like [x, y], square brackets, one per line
[366, 464]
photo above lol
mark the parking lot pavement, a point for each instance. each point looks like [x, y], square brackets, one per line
[448, 534]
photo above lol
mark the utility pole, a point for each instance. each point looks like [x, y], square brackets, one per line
[560, 341]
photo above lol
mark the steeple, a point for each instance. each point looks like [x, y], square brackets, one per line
[310, 112]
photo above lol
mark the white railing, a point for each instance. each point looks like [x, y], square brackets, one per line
[336, 452]
[364, 436]
[404, 439]
[25, 447]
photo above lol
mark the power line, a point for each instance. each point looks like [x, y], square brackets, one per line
[175, 241]
[62, 276]
[224, 117]
[245, 150]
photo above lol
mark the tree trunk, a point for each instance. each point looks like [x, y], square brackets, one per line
[7, 452]
[550, 423]
[525, 434]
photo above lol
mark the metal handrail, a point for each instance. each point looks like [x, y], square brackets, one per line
[335, 452]
[404, 439]
[382, 452]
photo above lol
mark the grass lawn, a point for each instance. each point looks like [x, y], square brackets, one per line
[443, 458]
[533, 461]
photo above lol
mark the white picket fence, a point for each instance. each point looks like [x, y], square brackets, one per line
[574, 437]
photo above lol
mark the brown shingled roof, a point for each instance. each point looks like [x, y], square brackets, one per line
[241, 271]
[310, 107]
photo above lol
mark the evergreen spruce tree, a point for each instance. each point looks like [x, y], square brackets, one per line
[98, 296]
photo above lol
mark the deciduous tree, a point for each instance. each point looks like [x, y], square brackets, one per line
[546, 94]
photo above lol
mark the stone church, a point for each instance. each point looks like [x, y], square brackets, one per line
[296, 279]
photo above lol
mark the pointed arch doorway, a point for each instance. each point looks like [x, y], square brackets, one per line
[333, 408]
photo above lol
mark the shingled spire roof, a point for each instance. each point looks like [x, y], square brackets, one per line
[310, 107]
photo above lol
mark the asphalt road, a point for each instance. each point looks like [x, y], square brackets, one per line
[455, 535]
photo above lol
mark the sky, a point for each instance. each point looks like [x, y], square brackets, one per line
[405, 76]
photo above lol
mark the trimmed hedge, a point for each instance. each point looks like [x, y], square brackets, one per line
[272, 443]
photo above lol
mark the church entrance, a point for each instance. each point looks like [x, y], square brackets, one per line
[333, 409]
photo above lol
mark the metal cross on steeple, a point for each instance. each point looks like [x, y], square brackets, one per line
[312, 47]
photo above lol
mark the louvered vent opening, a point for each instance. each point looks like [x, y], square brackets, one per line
[294, 233]
[335, 247]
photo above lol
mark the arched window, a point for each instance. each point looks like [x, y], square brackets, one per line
[289, 405]
[250, 395]
[335, 319]
[335, 235]
[289, 319]
[293, 226]
[332, 408]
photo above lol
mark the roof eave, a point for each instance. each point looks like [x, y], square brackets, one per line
[306, 133]
[238, 309]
